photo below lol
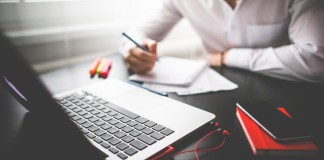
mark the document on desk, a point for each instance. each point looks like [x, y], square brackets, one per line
[172, 71]
[208, 81]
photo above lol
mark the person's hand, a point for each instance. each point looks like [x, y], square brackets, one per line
[140, 61]
[216, 59]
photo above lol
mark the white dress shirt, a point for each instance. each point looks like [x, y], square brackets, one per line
[279, 38]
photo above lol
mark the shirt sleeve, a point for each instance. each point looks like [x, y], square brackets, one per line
[155, 27]
[303, 59]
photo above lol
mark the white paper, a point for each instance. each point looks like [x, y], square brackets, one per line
[172, 71]
[208, 81]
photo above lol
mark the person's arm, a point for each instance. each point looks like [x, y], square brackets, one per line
[154, 27]
[301, 60]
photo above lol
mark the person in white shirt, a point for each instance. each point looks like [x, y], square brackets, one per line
[278, 38]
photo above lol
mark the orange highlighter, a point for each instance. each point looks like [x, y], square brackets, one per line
[106, 69]
[94, 67]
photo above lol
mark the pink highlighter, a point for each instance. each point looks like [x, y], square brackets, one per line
[105, 70]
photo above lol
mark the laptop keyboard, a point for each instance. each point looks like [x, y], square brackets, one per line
[120, 131]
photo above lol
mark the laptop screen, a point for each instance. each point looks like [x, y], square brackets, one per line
[20, 79]
[23, 83]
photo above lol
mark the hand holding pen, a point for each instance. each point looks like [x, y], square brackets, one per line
[142, 58]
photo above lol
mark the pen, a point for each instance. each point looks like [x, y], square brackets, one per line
[138, 45]
[156, 92]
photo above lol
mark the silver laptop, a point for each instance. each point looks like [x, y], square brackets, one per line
[118, 118]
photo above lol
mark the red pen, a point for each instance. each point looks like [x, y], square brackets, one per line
[94, 67]
[106, 69]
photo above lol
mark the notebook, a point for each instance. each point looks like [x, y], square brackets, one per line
[172, 71]
[262, 144]
[121, 120]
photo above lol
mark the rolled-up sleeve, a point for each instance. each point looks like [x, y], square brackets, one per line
[302, 60]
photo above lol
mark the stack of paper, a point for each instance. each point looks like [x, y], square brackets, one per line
[183, 76]
[172, 71]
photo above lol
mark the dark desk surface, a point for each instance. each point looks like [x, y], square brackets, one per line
[303, 100]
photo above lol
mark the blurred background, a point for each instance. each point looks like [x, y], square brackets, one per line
[55, 33]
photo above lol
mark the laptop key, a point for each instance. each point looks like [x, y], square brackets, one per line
[106, 110]
[112, 113]
[63, 101]
[122, 146]
[90, 135]
[101, 107]
[141, 120]
[75, 118]
[93, 128]
[105, 145]
[77, 110]
[87, 125]
[131, 151]
[125, 120]
[83, 112]
[79, 103]
[94, 112]
[135, 133]
[81, 121]
[84, 131]
[157, 135]
[105, 126]
[127, 129]
[93, 119]
[97, 139]
[120, 125]
[122, 156]
[158, 127]
[67, 104]
[71, 114]
[132, 123]
[99, 123]
[147, 131]
[100, 132]
[107, 118]
[72, 107]
[167, 131]
[146, 139]
[100, 115]
[114, 141]
[113, 121]
[139, 127]
[138, 145]
[150, 124]
[120, 134]
[122, 111]
[113, 150]
[83, 106]
[87, 116]
[112, 130]
[90, 102]
[106, 136]
[118, 116]
[89, 109]
[95, 104]
[127, 139]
